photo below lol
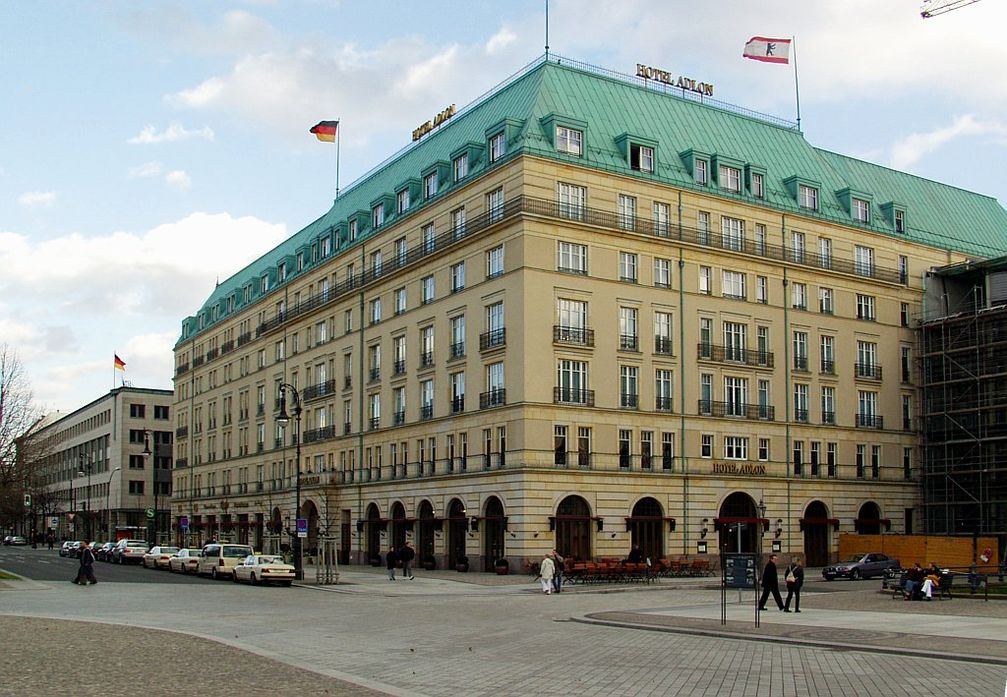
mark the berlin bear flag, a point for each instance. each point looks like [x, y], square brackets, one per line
[760, 48]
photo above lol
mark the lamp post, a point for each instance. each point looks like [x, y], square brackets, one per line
[153, 476]
[108, 510]
[284, 418]
[87, 503]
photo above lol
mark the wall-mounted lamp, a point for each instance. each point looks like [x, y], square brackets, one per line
[535, 535]
[613, 535]
[706, 529]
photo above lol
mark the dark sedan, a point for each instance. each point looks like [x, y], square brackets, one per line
[860, 566]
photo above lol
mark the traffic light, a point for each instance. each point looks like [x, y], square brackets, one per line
[27, 500]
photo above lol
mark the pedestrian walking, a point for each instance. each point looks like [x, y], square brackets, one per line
[406, 556]
[770, 584]
[794, 578]
[50, 538]
[546, 571]
[557, 579]
[85, 574]
[391, 560]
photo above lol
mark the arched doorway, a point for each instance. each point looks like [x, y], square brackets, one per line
[493, 532]
[373, 532]
[868, 520]
[425, 533]
[398, 516]
[646, 527]
[816, 534]
[458, 525]
[309, 545]
[573, 528]
[740, 525]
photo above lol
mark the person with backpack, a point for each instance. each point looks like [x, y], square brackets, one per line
[85, 574]
[794, 576]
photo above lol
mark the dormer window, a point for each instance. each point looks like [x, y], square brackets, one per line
[808, 197]
[861, 211]
[281, 272]
[430, 185]
[701, 173]
[264, 283]
[402, 202]
[498, 146]
[378, 216]
[900, 221]
[641, 158]
[730, 178]
[758, 185]
[569, 141]
[352, 231]
[326, 246]
[460, 165]
[300, 261]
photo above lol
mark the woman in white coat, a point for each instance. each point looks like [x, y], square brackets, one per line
[546, 570]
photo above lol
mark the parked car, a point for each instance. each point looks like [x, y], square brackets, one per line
[19, 541]
[8, 539]
[101, 552]
[129, 551]
[157, 557]
[218, 559]
[264, 568]
[860, 566]
[184, 561]
[64, 550]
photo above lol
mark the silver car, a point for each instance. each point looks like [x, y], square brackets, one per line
[860, 566]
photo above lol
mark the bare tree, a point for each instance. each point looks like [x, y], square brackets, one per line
[18, 417]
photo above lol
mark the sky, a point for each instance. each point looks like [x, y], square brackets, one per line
[149, 149]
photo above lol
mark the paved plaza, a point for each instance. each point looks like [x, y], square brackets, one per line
[452, 634]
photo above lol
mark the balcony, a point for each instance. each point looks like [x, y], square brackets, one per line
[399, 418]
[374, 423]
[181, 432]
[426, 359]
[244, 338]
[629, 401]
[734, 354]
[801, 416]
[752, 412]
[565, 395]
[829, 417]
[578, 336]
[227, 347]
[211, 354]
[374, 374]
[827, 367]
[457, 350]
[663, 346]
[629, 342]
[492, 339]
[801, 363]
[317, 391]
[663, 404]
[870, 421]
[182, 368]
[314, 435]
[426, 412]
[399, 367]
[347, 427]
[347, 382]
[867, 371]
[260, 410]
[494, 398]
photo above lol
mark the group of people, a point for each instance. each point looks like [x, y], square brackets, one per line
[921, 583]
[550, 572]
[405, 555]
[794, 578]
[85, 573]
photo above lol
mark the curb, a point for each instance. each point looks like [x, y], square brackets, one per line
[795, 641]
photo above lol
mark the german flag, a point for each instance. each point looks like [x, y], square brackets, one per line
[118, 364]
[325, 130]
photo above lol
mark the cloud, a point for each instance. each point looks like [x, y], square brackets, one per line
[174, 133]
[201, 95]
[178, 179]
[914, 147]
[499, 41]
[34, 199]
[146, 170]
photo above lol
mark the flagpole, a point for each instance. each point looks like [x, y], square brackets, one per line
[547, 30]
[338, 129]
[797, 86]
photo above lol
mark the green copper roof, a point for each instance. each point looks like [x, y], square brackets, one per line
[609, 107]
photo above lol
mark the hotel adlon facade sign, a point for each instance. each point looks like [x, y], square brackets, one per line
[682, 82]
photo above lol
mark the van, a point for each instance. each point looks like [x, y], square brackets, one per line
[218, 559]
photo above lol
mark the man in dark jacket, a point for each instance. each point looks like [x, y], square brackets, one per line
[391, 560]
[794, 577]
[406, 556]
[770, 584]
[85, 574]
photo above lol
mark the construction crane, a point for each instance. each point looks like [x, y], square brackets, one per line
[932, 8]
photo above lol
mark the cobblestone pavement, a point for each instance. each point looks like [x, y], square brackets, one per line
[430, 637]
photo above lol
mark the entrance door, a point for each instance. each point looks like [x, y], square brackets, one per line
[743, 533]
[816, 534]
[398, 535]
[458, 526]
[373, 533]
[493, 533]
[425, 533]
[647, 528]
[573, 528]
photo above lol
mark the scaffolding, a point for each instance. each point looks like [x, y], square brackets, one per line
[963, 357]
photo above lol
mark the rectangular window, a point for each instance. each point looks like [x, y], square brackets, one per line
[572, 381]
[627, 212]
[735, 341]
[663, 389]
[583, 446]
[430, 185]
[402, 201]
[764, 449]
[560, 446]
[904, 314]
[735, 396]
[825, 252]
[808, 197]
[907, 463]
[730, 178]
[457, 325]
[903, 269]
[797, 246]
[457, 276]
[816, 454]
[758, 185]
[625, 447]
[760, 239]
[732, 233]
[667, 450]
[907, 364]
[733, 285]
[662, 219]
[495, 204]
[705, 394]
[427, 290]
[458, 222]
[460, 167]
[706, 445]
[495, 262]
[800, 350]
[900, 221]
[861, 211]
[627, 267]
[571, 316]
[569, 141]
[799, 296]
[378, 216]
[705, 280]
[629, 389]
[800, 403]
[705, 337]
[641, 158]
[830, 458]
[628, 329]
[861, 457]
[798, 457]
[572, 258]
[703, 227]
[875, 462]
[736, 448]
[865, 307]
[662, 333]
[827, 348]
[375, 310]
[572, 200]
[907, 412]
[701, 174]
[400, 301]
[646, 450]
[498, 146]
[457, 382]
[825, 301]
[662, 273]
[828, 405]
[761, 289]
[354, 226]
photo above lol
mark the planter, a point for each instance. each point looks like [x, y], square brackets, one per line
[462, 565]
[502, 567]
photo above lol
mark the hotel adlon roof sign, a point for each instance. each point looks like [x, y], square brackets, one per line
[436, 121]
[682, 82]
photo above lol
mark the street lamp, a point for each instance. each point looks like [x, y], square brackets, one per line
[153, 475]
[108, 509]
[283, 418]
[87, 503]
